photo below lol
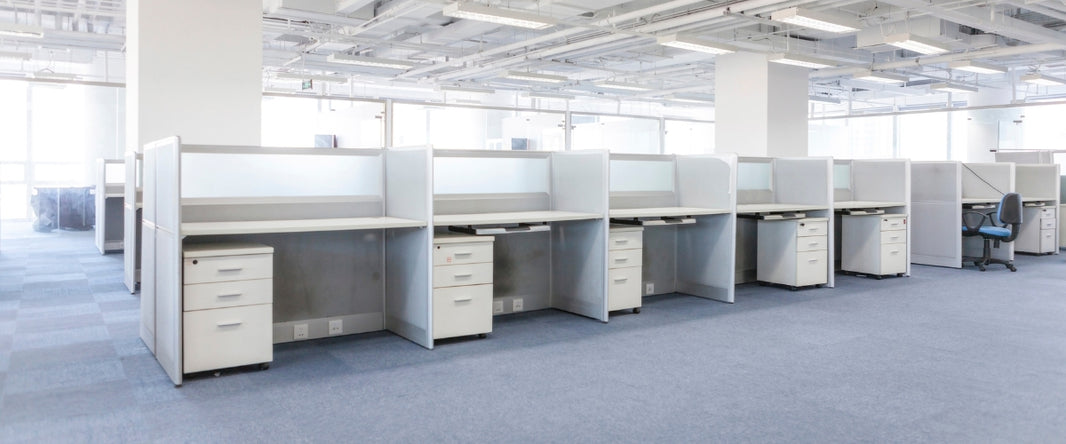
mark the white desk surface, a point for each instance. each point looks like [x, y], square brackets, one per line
[110, 195]
[856, 204]
[665, 212]
[514, 217]
[1036, 199]
[979, 200]
[297, 226]
[776, 208]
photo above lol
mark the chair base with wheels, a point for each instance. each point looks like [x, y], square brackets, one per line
[1009, 212]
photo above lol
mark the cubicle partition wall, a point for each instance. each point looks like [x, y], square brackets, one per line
[880, 185]
[342, 250]
[132, 201]
[687, 207]
[940, 193]
[1039, 186]
[548, 214]
[108, 230]
[770, 186]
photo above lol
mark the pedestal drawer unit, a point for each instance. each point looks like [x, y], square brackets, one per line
[874, 244]
[227, 299]
[625, 249]
[1037, 232]
[462, 285]
[793, 252]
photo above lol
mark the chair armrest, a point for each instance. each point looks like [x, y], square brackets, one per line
[973, 220]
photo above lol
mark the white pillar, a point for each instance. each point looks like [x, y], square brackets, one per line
[194, 70]
[760, 107]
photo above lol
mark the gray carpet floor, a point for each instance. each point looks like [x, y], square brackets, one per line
[943, 356]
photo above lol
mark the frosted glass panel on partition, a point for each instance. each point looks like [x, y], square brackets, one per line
[474, 175]
[279, 175]
[842, 176]
[642, 175]
[754, 175]
[114, 172]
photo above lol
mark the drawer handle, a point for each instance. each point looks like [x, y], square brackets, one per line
[893, 252]
[229, 324]
[463, 253]
[813, 244]
[894, 237]
[621, 259]
[224, 270]
[621, 241]
[812, 261]
[621, 279]
[463, 275]
[463, 299]
[229, 295]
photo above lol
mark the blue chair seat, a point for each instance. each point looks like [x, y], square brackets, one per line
[995, 231]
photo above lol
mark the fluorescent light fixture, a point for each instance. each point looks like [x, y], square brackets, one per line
[694, 44]
[17, 30]
[801, 60]
[622, 86]
[979, 68]
[823, 99]
[823, 21]
[282, 90]
[880, 77]
[688, 99]
[1043, 80]
[49, 74]
[915, 43]
[302, 76]
[546, 95]
[534, 77]
[499, 16]
[952, 87]
[376, 62]
[469, 89]
[14, 55]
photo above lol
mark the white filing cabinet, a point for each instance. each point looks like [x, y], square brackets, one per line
[874, 244]
[793, 252]
[227, 300]
[625, 249]
[1037, 233]
[462, 285]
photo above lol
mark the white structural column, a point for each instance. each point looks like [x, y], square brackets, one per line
[760, 107]
[194, 70]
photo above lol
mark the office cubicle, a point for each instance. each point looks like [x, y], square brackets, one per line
[548, 214]
[132, 207]
[875, 186]
[767, 187]
[108, 230]
[686, 205]
[940, 192]
[351, 241]
[1039, 186]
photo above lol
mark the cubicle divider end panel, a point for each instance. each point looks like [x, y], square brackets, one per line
[659, 259]
[706, 257]
[580, 181]
[936, 213]
[579, 267]
[147, 247]
[130, 226]
[408, 269]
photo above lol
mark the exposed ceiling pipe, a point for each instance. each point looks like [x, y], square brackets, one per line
[980, 19]
[925, 61]
[1038, 9]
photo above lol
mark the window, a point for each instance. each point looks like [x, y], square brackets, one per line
[617, 134]
[688, 137]
[296, 121]
[458, 127]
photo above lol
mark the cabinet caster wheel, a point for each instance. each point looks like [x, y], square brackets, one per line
[982, 267]
[879, 277]
[217, 374]
[636, 310]
[264, 366]
[1012, 269]
[793, 288]
[482, 336]
[899, 275]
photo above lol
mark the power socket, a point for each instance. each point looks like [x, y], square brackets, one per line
[497, 307]
[299, 331]
[516, 304]
[649, 288]
[336, 326]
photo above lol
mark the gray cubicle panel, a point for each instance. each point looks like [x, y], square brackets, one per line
[886, 181]
[696, 259]
[808, 181]
[936, 216]
[1040, 183]
[567, 190]
[342, 250]
[131, 220]
[108, 230]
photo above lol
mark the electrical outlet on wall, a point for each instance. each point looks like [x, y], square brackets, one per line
[649, 288]
[299, 331]
[336, 326]
[497, 307]
[516, 304]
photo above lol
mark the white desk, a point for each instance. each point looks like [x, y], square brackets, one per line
[1038, 199]
[665, 212]
[297, 226]
[860, 204]
[979, 200]
[514, 217]
[776, 208]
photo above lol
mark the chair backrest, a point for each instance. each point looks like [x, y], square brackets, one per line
[1010, 209]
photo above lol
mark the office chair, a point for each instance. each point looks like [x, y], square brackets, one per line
[1009, 212]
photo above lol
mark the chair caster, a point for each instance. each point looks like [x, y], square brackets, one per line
[636, 310]
[982, 267]
[264, 366]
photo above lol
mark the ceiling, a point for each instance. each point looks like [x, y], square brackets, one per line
[586, 43]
